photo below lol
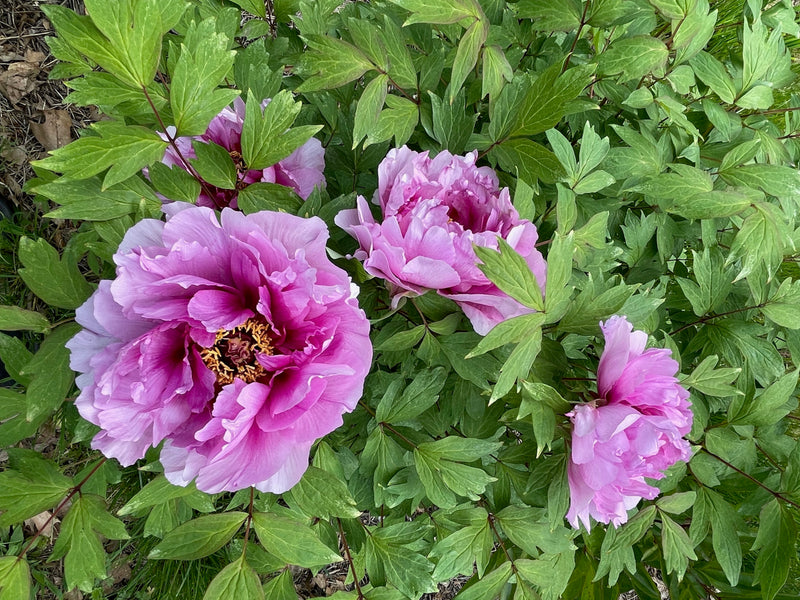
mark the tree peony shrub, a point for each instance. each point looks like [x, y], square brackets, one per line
[632, 431]
[302, 170]
[434, 210]
[236, 342]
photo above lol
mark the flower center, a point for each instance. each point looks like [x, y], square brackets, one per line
[234, 352]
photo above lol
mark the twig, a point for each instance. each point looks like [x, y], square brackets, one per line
[349, 559]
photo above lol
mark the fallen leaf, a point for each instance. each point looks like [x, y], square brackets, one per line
[55, 131]
[18, 80]
[15, 155]
[43, 523]
[34, 56]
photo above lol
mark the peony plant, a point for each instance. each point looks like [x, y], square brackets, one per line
[555, 356]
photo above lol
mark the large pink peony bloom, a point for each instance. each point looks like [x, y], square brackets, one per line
[237, 343]
[434, 210]
[301, 170]
[633, 431]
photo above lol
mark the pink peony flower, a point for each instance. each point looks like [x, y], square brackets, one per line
[434, 210]
[301, 170]
[633, 431]
[236, 343]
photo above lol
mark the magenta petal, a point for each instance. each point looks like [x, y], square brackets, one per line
[218, 309]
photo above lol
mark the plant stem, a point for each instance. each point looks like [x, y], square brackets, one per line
[778, 495]
[175, 147]
[500, 541]
[349, 559]
[577, 36]
[62, 504]
[249, 521]
[709, 317]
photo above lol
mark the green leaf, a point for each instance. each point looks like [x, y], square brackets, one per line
[133, 28]
[52, 377]
[14, 318]
[518, 364]
[496, 71]
[15, 578]
[266, 138]
[783, 307]
[126, 149]
[292, 541]
[457, 448]
[633, 57]
[441, 13]
[398, 120]
[87, 199]
[333, 63]
[527, 159]
[712, 72]
[254, 7]
[771, 406]
[510, 331]
[777, 533]
[469, 48]
[457, 553]
[548, 15]
[774, 180]
[489, 587]
[390, 557]
[544, 100]
[14, 425]
[281, 587]
[550, 573]
[199, 537]
[444, 479]
[174, 182]
[510, 272]
[237, 581]
[530, 529]
[369, 108]
[452, 122]
[559, 273]
[760, 241]
[268, 196]
[15, 357]
[713, 382]
[616, 553]
[323, 495]
[214, 164]
[421, 394]
[204, 60]
[157, 491]
[677, 546]
[79, 541]
[724, 537]
[401, 65]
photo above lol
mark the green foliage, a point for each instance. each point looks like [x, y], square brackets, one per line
[653, 144]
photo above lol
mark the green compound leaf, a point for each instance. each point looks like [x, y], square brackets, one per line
[199, 537]
[511, 273]
[392, 556]
[783, 307]
[79, 543]
[323, 495]
[777, 531]
[531, 161]
[678, 548]
[332, 63]
[56, 281]
[440, 13]
[369, 108]
[292, 541]
[126, 149]
[204, 60]
[280, 588]
[237, 581]
[634, 57]
[489, 587]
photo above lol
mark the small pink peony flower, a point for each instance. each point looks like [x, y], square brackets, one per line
[301, 170]
[633, 431]
[236, 343]
[434, 210]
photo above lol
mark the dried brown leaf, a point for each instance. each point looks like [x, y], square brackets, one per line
[18, 80]
[55, 131]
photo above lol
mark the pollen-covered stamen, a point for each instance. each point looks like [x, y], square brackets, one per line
[234, 352]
